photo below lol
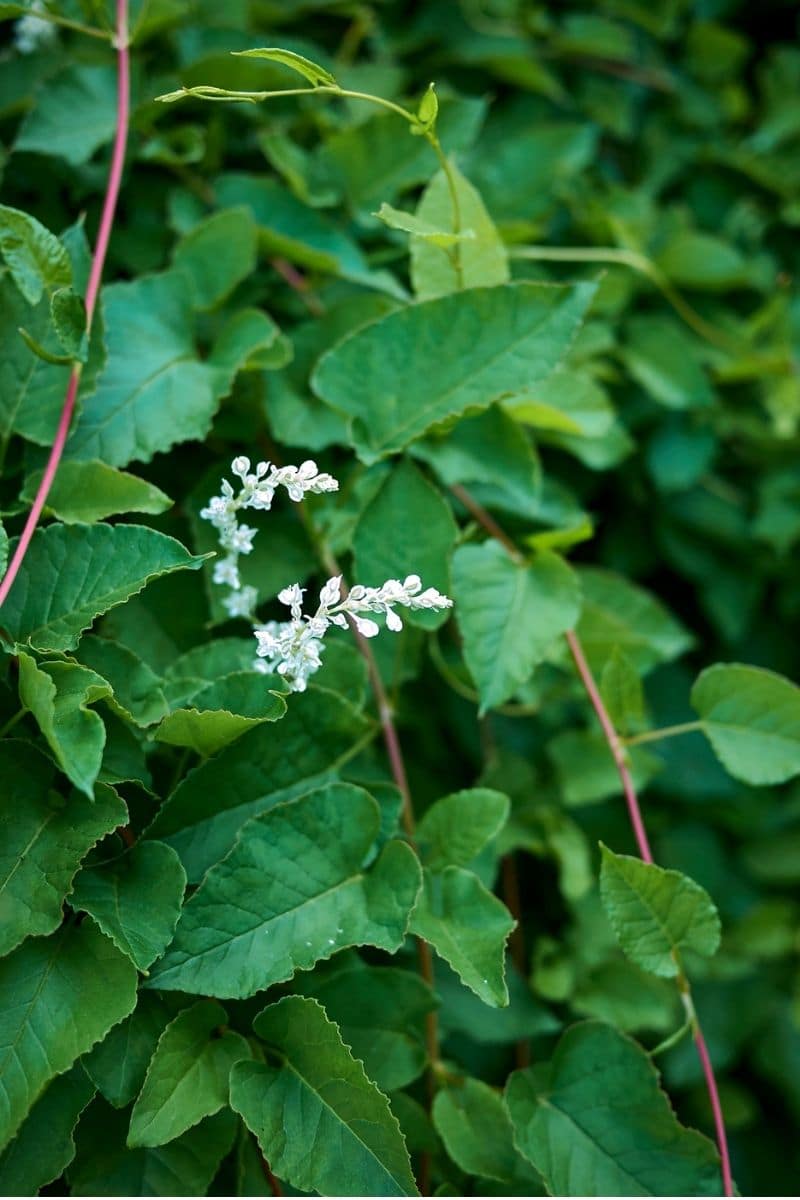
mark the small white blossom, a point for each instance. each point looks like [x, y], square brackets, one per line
[32, 33]
[226, 571]
[241, 603]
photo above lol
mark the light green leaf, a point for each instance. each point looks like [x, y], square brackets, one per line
[664, 360]
[509, 614]
[468, 927]
[704, 261]
[596, 1123]
[43, 837]
[58, 695]
[250, 341]
[91, 491]
[622, 693]
[567, 402]
[477, 260]
[37, 260]
[43, 1146]
[320, 1122]
[73, 115]
[58, 996]
[187, 1079]
[474, 1125]
[137, 688]
[135, 899]
[292, 891]
[217, 254]
[222, 712]
[428, 107]
[72, 574]
[202, 816]
[656, 914]
[387, 542]
[489, 448]
[117, 1066]
[105, 1166]
[393, 380]
[313, 72]
[456, 828]
[410, 223]
[69, 321]
[618, 613]
[155, 391]
[751, 717]
[380, 1013]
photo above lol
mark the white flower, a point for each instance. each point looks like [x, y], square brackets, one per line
[241, 603]
[364, 626]
[226, 571]
[241, 539]
[32, 33]
[241, 466]
[331, 593]
[292, 597]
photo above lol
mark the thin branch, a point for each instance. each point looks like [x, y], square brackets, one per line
[93, 287]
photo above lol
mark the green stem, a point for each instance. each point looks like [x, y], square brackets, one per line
[668, 731]
[77, 26]
[672, 1040]
[9, 725]
[455, 255]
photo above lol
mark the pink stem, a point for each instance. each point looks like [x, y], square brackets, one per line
[92, 290]
[716, 1108]
[614, 744]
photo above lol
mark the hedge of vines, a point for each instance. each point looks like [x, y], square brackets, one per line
[399, 428]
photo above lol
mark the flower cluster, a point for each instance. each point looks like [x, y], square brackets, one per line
[293, 648]
[32, 33]
[257, 491]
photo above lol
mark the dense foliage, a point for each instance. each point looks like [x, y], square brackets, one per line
[366, 914]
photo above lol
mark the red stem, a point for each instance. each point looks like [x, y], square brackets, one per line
[640, 833]
[92, 290]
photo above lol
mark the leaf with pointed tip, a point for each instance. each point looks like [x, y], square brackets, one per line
[510, 614]
[655, 912]
[43, 837]
[217, 254]
[474, 1125]
[291, 892]
[468, 927]
[393, 380]
[322, 1125]
[222, 712]
[118, 1065]
[136, 687]
[58, 996]
[596, 1123]
[135, 899]
[456, 828]
[411, 223]
[618, 613]
[37, 260]
[188, 1075]
[751, 717]
[202, 816]
[479, 260]
[43, 1146]
[74, 573]
[86, 492]
[313, 72]
[58, 695]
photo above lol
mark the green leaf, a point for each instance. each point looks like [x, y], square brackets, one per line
[117, 1066]
[72, 574]
[137, 689]
[477, 260]
[567, 402]
[69, 320]
[91, 491]
[656, 914]
[456, 828]
[58, 996]
[292, 891]
[664, 360]
[428, 107]
[586, 770]
[43, 1146]
[155, 391]
[58, 695]
[217, 254]
[468, 927]
[595, 1123]
[411, 223]
[473, 1123]
[73, 115]
[187, 1079]
[387, 542]
[313, 72]
[222, 712]
[320, 1122]
[622, 693]
[44, 837]
[393, 380]
[751, 717]
[704, 261]
[135, 899]
[105, 1166]
[618, 613]
[37, 260]
[202, 816]
[380, 1013]
[509, 614]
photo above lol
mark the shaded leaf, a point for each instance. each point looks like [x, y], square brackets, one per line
[456, 828]
[43, 1146]
[474, 1125]
[222, 711]
[91, 491]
